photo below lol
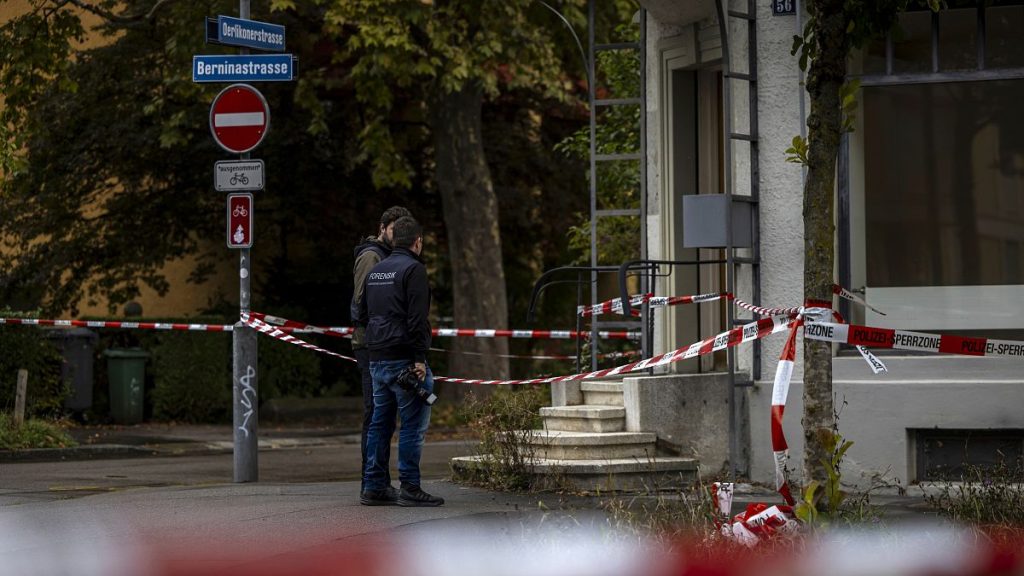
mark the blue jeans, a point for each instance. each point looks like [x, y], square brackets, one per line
[363, 356]
[389, 400]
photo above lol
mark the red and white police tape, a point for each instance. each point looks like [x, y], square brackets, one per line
[836, 289]
[289, 326]
[780, 390]
[255, 322]
[758, 522]
[457, 332]
[746, 333]
[108, 324]
[615, 304]
[871, 337]
[604, 356]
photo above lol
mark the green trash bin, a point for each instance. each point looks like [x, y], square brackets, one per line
[127, 371]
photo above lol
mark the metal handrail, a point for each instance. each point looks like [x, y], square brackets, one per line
[647, 327]
[546, 280]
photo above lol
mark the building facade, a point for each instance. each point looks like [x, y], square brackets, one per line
[929, 218]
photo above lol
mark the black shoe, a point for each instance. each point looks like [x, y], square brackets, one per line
[415, 496]
[385, 497]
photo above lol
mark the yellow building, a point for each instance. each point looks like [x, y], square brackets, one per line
[183, 298]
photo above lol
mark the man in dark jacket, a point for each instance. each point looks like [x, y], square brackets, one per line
[394, 309]
[368, 254]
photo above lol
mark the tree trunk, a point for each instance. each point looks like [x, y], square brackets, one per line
[825, 78]
[474, 242]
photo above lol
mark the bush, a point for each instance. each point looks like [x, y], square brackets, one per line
[504, 422]
[27, 347]
[191, 376]
[287, 370]
[32, 434]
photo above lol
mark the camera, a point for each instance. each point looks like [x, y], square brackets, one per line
[410, 382]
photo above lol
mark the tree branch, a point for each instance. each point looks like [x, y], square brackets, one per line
[117, 18]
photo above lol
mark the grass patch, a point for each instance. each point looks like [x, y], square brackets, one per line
[503, 422]
[670, 516]
[983, 496]
[33, 433]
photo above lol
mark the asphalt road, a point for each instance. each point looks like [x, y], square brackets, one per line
[22, 482]
[139, 516]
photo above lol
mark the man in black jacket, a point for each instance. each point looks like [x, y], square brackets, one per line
[394, 309]
[368, 254]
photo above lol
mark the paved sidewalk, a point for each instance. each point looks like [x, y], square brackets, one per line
[106, 442]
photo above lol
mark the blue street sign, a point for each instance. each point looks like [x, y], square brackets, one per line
[243, 68]
[247, 33]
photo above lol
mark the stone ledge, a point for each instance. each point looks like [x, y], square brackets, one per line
[601, 386]
[627, 474]
[583, 411]
[565, 438]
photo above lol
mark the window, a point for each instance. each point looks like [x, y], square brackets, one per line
[946, 454]
[944, 184]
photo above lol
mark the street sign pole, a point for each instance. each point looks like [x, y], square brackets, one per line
[243, 340]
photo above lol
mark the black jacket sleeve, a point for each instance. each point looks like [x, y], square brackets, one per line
[417, 293]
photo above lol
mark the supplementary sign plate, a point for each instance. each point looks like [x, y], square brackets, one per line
[239, 220]
[233, 175]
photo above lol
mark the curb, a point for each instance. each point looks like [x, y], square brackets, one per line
[94, 452]
[170, 448]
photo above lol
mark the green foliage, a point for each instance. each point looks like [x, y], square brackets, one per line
[797, 152]
[26, 347]
[822, 504]
[617, 131]
[32, 434]
[192, 377]
[287, 370]
[36, 49]
[848, 99]
[503, 422]
[405, 55]
[827, 503]
[114, 179]
[990, 496]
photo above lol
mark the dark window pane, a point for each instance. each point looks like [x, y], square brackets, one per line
[912, 43]
[1003, 28]
[958, 48]
[874, 57]
[944, 184]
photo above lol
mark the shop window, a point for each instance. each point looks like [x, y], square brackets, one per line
[1003, 46]
[958, 42]
[944, 184]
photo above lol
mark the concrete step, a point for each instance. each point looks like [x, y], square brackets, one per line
[584, 418]
[619, 474]
[602, 393]
[561, 445]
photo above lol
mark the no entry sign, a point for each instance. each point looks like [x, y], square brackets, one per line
[239, 118]
[239, 220]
